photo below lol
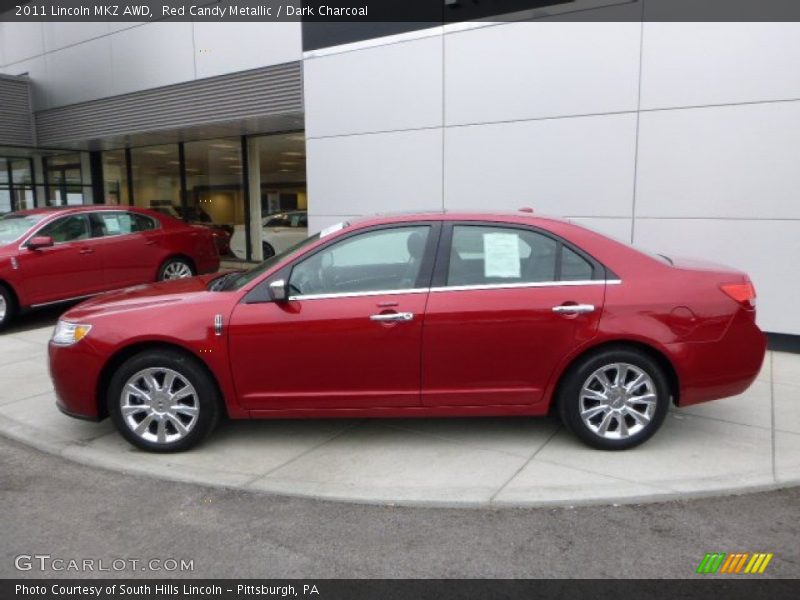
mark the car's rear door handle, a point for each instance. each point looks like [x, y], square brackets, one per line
[150, 242]
[573, 309]
[85, 251]
[389, 317]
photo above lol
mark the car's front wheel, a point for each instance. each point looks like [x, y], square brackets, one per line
[615, 399]
[267, 250]
[163, 401]
[175, 268]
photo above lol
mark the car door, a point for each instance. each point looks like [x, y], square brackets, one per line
[508, 303]
[350, 335]
[127, 244]
[70, 268]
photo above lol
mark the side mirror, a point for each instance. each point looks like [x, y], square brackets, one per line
[40, 241]
[278, 290]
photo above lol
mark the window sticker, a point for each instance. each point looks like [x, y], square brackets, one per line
[501, 255]
[112, 224]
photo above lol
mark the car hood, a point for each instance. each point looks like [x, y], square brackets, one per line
[142, 296]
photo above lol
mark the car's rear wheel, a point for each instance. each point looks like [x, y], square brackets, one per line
[175, 268]
[267, 250]
[615, 399]
[8, 306]
[163, 401]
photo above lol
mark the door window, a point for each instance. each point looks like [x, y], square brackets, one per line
[380, 260]
[105, 224]
[489, 255]
[67, 229]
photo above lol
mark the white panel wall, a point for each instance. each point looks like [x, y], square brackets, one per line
[767, 250]
[704, 163]
[582, 166]
[696, 64]
[226, 47]
[151, 56]
[61, 35]
[395, 172]
[735, 161]
[80, 72]
[76, 62]
[398, 86]
[532, 70]
[21, 41]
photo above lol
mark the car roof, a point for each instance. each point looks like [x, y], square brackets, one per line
[66, 210]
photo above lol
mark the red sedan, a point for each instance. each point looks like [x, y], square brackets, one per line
[426, 315]
[50, 255]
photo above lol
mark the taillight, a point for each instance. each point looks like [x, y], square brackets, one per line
[743, 293]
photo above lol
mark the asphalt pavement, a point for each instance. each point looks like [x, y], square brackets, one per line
[50, 506]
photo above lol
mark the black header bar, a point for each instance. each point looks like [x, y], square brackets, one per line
[427, 12]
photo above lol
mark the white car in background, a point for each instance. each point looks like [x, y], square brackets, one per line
[280, 231]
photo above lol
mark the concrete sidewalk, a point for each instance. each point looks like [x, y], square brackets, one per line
[741, 444]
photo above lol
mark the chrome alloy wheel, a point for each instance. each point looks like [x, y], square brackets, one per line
[159, 405]
[3, 308]
[618, 401]
[177, 270]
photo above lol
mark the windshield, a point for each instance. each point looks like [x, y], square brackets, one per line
[235, 281]
[13, 227]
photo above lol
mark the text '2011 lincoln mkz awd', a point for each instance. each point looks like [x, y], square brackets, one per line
[417, 315]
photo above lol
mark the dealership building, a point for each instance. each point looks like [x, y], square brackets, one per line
[683, 138]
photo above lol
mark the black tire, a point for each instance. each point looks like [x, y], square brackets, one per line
[570, 392]
[8, 306]
[175, 263]
[267, 250]
[207, 400]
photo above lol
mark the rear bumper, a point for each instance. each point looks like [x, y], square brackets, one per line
[723, 368]
[75, 371]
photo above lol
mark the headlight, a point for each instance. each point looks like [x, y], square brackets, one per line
[67, 333]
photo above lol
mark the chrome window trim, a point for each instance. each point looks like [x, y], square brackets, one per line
[530, 284]
[360, 294]
[459, 288]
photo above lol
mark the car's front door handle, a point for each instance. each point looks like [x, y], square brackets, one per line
[86, 251]
[573, 309]
[389, 317]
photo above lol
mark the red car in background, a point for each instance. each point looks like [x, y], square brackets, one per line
[413, 316]
[51, 255]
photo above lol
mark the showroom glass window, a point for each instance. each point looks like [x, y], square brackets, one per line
[214, 189]
[380, 260]
[63, 180]
[115, 178]
[156, 178]
[282, 160]
[490, 255]
[16, 184]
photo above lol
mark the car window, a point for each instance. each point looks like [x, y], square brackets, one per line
[67, 229]
[303, 221]
[278, 221]
[383, 259]
[482, 255]
[574, 267]
[106, 224]
[297, 220]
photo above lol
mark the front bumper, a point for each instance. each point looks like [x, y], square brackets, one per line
[75, 372]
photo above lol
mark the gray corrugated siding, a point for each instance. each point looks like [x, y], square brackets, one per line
[261, 92]
[16, 124]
